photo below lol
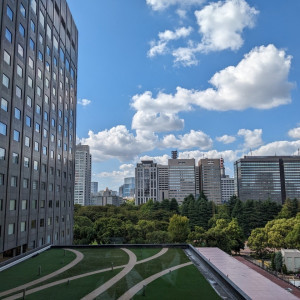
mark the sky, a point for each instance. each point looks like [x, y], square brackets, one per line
[210, 79]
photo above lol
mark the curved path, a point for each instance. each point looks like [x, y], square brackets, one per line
[65, 280]
[79, 257]
[131, 292]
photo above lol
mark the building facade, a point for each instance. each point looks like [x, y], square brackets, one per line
[94, 187]
[227, 187]
[83, 167]
[128, 187]
[268, 177]
[146, 183]
[210, 179]
[163, 182]
[106, 197]
[38, 91]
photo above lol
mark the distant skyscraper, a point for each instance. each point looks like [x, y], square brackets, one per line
[181, 178]
[268, 177]
[163, 182]
[228, 188]
[38, 96]
[83, 161]
[146, 185]
[129, 187]
[94, 187]
[210, 179]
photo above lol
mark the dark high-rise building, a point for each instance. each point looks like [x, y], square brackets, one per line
[38, 73]
[268, 177]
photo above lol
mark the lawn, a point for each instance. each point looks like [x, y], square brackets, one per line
[142, 253]
[24, 272]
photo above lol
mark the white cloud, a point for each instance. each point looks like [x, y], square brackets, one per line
[222, 23]
[84, 102]
[162, 160]
[187, 141]
[294, 133]
[278, 148]
[163, 4]
[160, 46]
[181, 13]
[185, 56]
[260, 80]
[226, 139]
[252, 137]
[125, 170]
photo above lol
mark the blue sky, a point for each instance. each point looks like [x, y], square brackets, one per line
[208, 78]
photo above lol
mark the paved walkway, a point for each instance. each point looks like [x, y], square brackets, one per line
[131, 292]
[79, 257]
[161, 252]
[266, 274]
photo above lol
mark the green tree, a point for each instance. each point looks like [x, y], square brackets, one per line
[278, 261]
[174, 207]
[258, 241]
[179, 228]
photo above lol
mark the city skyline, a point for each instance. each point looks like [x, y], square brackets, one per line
[138, 59]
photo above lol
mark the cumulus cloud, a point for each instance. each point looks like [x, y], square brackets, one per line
[259, 80]
[162, 160]
[278, 148]
[252, 138]
[159, 5]
[187, 141]
[226, 139]
[221, 24]
[84, 102]
[125, 170]
[160, 46]
[294, 133]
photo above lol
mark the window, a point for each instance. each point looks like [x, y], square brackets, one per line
[26, 162]
[3, 128]
[47, 66]
[38, 109]
[30, 82]
[50, 204]
[33, 222]
[16, 136]
[31, 44]
[49, 221]
[58, 156]
[15, 158]
[29, 101]
[8, 35]
[35, 185]
[22, 10]
[19, 71]
[46, 98]
[4, 104]
[43, 185]
[59, 113]
[11, 229]
[44, 168]
[53, 122]
[20, 50]
[55, 61]
[35, 165]
[45, 133]
[65, 147]
[42, 222]
[38, 91]
[54, 76]
[59, 143]
[28, 121]
[23, 226]
[40, 56]
[18, 92]
[1, 205]
[54, 91]
[30, 62]
[61, 55]
[24, 204]
[13, 181]
[9, 13]
[44, 150]
[42, 204]
[52, 138]
[59, 128]
[27, 141]
[33, 5]
[32, 25]
[47, 82]
[41, 39]
[17, 113]
[42, 19]
[48, 51]
[67, 65]
[53, 106]
[39, 73]
[5, 81]
[50, 187]
[22, 30]
[6, 57]
[25, 183]
[36, 146]
[51, 154]
[2, 154]
[55, 43]
[37, 127]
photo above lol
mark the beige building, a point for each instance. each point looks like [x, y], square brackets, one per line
[291, 258]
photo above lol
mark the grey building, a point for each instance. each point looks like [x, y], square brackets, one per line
[127, 190]
[163, 182]
[38, 94]
[210, 179]
[228, 188]
[268, 177]
[94, 187]
[83, 167]
[106, 197]
[182, 179]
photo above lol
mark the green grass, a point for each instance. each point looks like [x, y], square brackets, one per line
[76, 289]
[184, 283]
[171, 258]
[142, 253]
[24, 272]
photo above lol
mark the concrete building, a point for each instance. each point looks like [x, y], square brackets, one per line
[210, 179]
[83, 166]
[146, 182]
[227, 187]
[181, 178]
[291, 258]
[38, 71]
[127, 190]
[163, 182]
[106, 197]
[94, 187]
[268, 177]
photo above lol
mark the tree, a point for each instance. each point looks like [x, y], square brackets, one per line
[235, 235]
[278, 261]
[179, 228]
[258, 241]
[174, 206]
[158, 237]
[165, 204]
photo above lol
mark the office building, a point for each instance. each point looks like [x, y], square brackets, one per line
[83, 161]
[38, 90]
[106, 197]
[210, 179]
[163, 182]
[94, 187]
[146, 185]
[268, 177]
[227, 187]
[181, 178]
[127, 190]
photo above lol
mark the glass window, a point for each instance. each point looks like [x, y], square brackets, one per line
[38, 109]
[35, 165]
[12, 205]
[22, 30]
[67, 65]
[3, 128]
[23, 226]
[17, 113]
[47, 82]
[35, 185]
[59, 128]
[1, 180]
[32, 25]
[19, 71]
[8, 35]
[36, 146]
[55, 43]
[39, 73]
[2, 154]
[42, 19]
[37, 127]
[44, 150]
[61, 54]
[33, 222]
[48, 51]
[30, 82]
[31, 44]
[47, 66]
[60, 113]
[9, 13]
[55, 61]
[15, 158]
[5, 81]
[53, 122]
[45, 133]
[26, 162]
[27, 141]
[52, 137]
[4, 104]
[45, 115]
[25, 183]
[49, 31]
[24, 204]
[46, 98]
[53, 91]
[53, 106]
[13, 181]
[30, 62]
[41, 39]
[6, 57]
[22, 10]
[18, 92]
[54, 76]
[28, 121]
[16, 136]
[29, 101]
[40, 56]
[20, 50]
[11, 229]
[38, 91]
[33, 5]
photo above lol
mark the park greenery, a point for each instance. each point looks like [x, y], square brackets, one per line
[265, 224]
